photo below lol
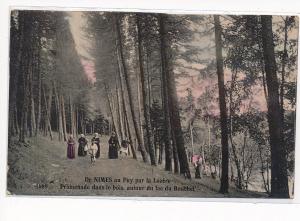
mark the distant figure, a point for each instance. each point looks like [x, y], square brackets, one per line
[71, 148]
[96, 140]
[198, 167]
[93, 151]
[82, 150]
[113, 146]
[124, 147]
[190, 156]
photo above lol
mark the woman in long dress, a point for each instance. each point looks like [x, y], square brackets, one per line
[96, 140]
[71, 148]
[113, 146]
[82, 142]
[198, 167]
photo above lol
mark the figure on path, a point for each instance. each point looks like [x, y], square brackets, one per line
[113, 146]
[92, 151]
[96, 140]
[198, 167]
[82, 143]
[124, 147]
[71, 148]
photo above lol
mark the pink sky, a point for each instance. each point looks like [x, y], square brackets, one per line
[198, 87]
[89, 69]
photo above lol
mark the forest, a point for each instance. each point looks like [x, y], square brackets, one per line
[175, 86]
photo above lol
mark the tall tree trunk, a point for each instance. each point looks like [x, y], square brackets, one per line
[165, 98]
[284, 59]
[149, 135]
[16, 53]
[140, 112]
[173, 102]
[32, 104]
[39, 100]
[279, 179]
[111, 109]
[192, 138]
[48, 111]
[130, 94]
[25, 70]
[233, 147]
[120, 116]
[24, 109]
[64, 121]
[123, 98]
[58, 113]
[175, 154]
[223, 113]
[16, 124]
[130, 139]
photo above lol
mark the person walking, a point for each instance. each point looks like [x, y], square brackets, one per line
[71, 147]
[82, 143]
[124, 147]
[198, 167]
[96, 140]
[92, 151]
[113, 146]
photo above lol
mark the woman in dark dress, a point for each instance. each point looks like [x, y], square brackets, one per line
[113, 146]
[71, 148]
[198, 167]
[96, 140]
[82, 143]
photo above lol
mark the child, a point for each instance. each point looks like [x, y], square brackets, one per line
[92, 151]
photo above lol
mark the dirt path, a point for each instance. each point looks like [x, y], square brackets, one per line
[43, 169]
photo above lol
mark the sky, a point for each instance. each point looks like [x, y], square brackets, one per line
[198, 85]
[77, 23]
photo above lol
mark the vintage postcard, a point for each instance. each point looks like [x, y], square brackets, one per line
[152, 104]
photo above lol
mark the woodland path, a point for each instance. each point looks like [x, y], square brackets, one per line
[44, 162]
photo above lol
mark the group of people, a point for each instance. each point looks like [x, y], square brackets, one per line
[94, 148]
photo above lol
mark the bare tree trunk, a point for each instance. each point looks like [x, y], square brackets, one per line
[32, 104]
[223, 113]
[173, 102]
[39, 113]
[120, 116]
[233, 147]
[192, 138]
[284, 59]
[279, 179]
[24, 110]
[48, 111]
[165, 99]
[59, 113]
[140, 113]
[64, 121]
[130, 94]
[175, 154]
[149, 135]
[16, 124]
[123, 97]
[130, 139]
[111, 109]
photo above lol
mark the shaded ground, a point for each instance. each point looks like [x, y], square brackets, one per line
[41, 168]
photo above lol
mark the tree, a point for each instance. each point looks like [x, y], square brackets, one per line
[173, 102]
[223, 112]
[130, 92]
[279, 180]
[148, 134]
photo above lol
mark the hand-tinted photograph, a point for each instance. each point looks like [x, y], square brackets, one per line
[151, 104]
